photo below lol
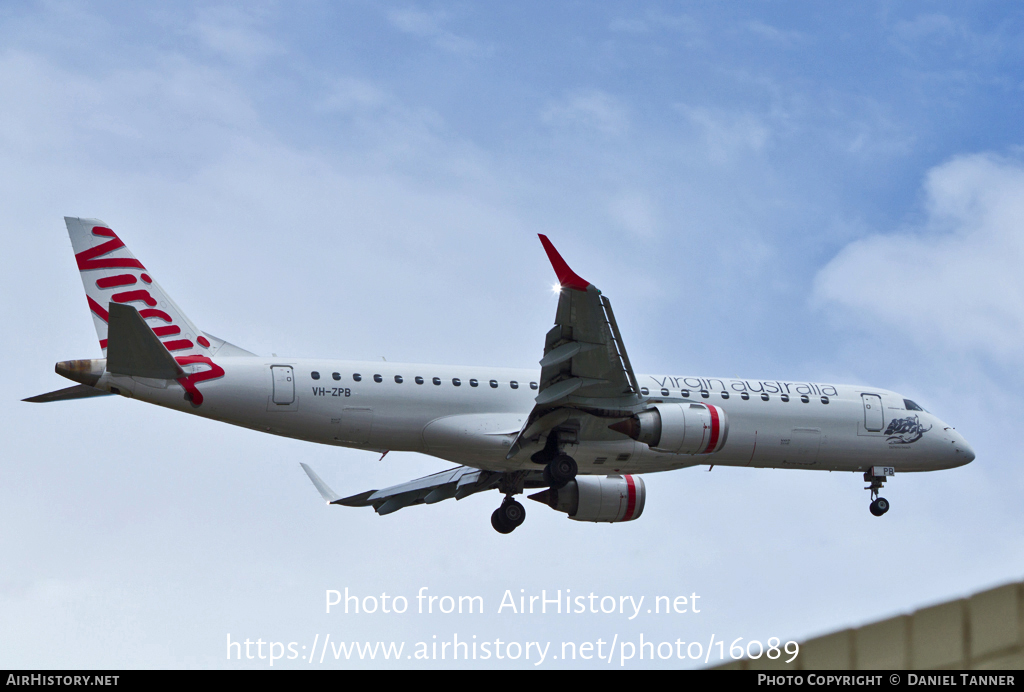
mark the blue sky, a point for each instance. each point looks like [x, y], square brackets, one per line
[791, 191]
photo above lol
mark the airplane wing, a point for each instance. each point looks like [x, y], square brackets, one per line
[585, 366]
[459, 483]
[585, 372]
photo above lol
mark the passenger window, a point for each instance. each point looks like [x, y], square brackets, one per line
[911, 406]
[764, 397]
[744, 395]
[533, 385]
[357, 377]
[494, 384]
[378, 378]
[436, 380]
[336, 376]
[473, 383]
[824, 399]
[804, 398]
[725, 395]
[704, 393]
[685, 393]
[645, 391]
[398, 379]
[785, 397]
[456, 381]
[513, 384]
[419, 380]
[664, 392]
[315, 375]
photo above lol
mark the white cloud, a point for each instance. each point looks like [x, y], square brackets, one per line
[348, 95]
[955, 280]
[629, 25]
[781, 37]
[926, 26]
[135, 110]
[636, 212]
[688, 31]
[953, 37]
[727, 135]
[591, 109]
[234, 34]
[431, 26]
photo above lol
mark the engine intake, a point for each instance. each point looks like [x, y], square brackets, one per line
[598, 498]
[678, 428]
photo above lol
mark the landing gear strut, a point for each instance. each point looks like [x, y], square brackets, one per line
[876, 477]
[510, 515]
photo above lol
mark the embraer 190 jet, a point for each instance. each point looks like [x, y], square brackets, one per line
[581, 429]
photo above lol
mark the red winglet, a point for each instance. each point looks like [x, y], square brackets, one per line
[566, 277]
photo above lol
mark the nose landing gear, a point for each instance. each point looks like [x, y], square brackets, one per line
[876, 476]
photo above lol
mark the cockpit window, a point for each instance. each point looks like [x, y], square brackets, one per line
[911, 406]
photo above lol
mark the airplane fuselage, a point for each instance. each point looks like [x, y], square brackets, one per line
[470, 415]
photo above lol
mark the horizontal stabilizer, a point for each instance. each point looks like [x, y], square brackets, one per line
[79, 391]
[133, 348]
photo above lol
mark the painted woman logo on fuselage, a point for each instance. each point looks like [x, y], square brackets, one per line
[904, 431]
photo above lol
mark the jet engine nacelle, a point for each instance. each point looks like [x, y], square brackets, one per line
[678, 428]
[598, 498]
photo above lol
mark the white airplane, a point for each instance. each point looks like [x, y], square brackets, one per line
[583, 427]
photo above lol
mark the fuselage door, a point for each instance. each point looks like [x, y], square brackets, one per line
[873, 421]
[284, 384]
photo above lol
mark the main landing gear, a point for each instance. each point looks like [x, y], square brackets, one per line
[559, 467]
[511, 514]
[876, 477]
[560, 471]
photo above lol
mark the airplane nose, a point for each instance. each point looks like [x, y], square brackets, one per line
[964, 451]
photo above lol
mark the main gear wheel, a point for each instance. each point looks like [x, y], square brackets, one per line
[508, 517]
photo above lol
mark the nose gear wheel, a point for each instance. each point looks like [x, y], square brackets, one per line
[879, 505]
